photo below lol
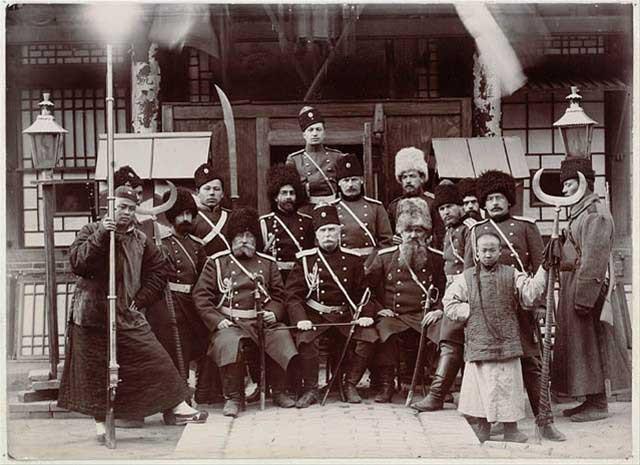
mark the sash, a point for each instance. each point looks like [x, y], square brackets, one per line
[338, 283]
[216, 229]
[289, 233]
[359, 222]
[250, 275]
[453, 249]
[420, 285]
[195, 268]
[321, 172]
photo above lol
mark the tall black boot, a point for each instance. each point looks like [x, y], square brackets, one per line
[309, 367]
[354, 371]
[387, 375]
[278, 381]
[233, 388]
[531, 368]
[448, 366]
[204, 378]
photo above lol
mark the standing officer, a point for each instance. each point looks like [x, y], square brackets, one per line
[211, 222]
[224, 298]
[365, 222]
[285, 231]
[315, 163]
[400, 277]
[456, 240]
[412, 173]
[470, 204]
[326, 286]
[522, 248]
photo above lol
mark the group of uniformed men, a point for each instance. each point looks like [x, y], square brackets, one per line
[326, 260]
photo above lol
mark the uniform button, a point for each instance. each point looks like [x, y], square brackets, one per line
[344, 258]
[235, 283]
[260, 261]
[340, 313]
[233, 272]
[322, 292]
[365, 223]
[398, 294]
[458, 272]
[308, 173]
[301, 238]
[235, 305]
[235, 292]
[512, 255]
[175, 251]
[300, 220]
[486, 227]
[511, 234]
[344, 268]
[424, 271]
[322, 281]
[397, 305]
[398, 270]
[399, 283]
[178, 271]
[345, 280]
[366, 214]
[511, 224]
[366, 206]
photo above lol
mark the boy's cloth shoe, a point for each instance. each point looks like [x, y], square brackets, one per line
[590, 414]
[515, 436]
[551, 433]
[497, 429]
[129, 423]
[176, 419]
[101, 438]
[573, 410]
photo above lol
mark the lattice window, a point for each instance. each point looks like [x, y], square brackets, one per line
[572, 45]
[428, 85]
[65, 54]
[200, 76]
[33, 330]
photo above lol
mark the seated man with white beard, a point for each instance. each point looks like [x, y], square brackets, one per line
[224, 299]
[400, 277]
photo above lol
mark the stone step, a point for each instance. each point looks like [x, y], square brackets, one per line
[39, 375]
[34, 396]
[45, 385]
[39, 409]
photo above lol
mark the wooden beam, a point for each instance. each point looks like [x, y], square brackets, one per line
[294, 137]
[367, 160]
[263, 163]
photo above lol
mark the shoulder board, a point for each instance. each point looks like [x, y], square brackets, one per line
[348, 251]
[429, 194]
[329, 149]
[525, 218]
[436, 251]
[307, 252]
[297, 152]
[334, 201]
[469, 222]
[165, 234]
[268, 215]
[226, 210]
[304, 215]
[386, 250]
[478, 223]
[264, 255]
[196, 239]
[220, 254]
[369, 199]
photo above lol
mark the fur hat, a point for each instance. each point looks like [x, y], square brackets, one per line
[569, 169]
[126, 192]
[125, 175]
[244, 219]
[323, 215]
[446, 193]
[414, 210]
[467, 187]
[411, 158]
[348, 166]
[204, 174]
[493, 181]
[284, 175]
[308, 116]
[184, 202]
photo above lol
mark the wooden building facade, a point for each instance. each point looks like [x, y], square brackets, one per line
[385, 76]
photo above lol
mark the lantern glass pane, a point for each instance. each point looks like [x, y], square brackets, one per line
[45, 150]
[576, 140]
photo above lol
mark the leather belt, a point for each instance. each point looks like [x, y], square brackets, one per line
[238, 313]
[361, 251]
[183, 288]
[315, 199]
[321, 308]
[287, 266]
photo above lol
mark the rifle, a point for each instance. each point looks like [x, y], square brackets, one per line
[420, 354]
[172, 311]
[260, 321]
[336, 373]
[112, 382]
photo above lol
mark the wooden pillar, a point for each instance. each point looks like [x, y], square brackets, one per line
[145, 86]
[51, 284]
[486, 100]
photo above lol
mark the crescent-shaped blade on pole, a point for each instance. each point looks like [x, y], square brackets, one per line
[227, 114]
[155, 211]
[557, 201]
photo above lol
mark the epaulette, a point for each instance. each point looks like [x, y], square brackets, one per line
[165, 233]
[369, 199]
[307, 252]
[386, 250]
[264, 255]
[334, 201]
[217, 255]
[268, 215]
[478, 223]
[436, 251]
[349, 251]
[429, 194]
[469, 222]
[225, 209]
[304, 215]
[329, 149]
[297, 152]
[196, 239]
[525, 218]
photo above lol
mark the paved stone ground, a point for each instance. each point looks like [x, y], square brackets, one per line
[336, 431]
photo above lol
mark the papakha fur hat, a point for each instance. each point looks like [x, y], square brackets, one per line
[244, 219]
[569, 169]
[413, 210]
[446, 193]
[284, 175]
[184, 202]
[493, 181]
[467, 187]
[126, 176]
[411, 158]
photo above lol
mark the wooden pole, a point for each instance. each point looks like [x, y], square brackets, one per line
[51, 285]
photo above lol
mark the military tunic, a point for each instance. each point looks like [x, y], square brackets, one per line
[311, 287]
[526, 242]
[211, 227]
[436, 220]
[312, 178]
[355, 217]
[225, 291]
[293, 233]
[395, 289]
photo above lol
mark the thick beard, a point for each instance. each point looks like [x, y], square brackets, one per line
[414, 253]
[183, 228]
[287, 207]
[244, 251]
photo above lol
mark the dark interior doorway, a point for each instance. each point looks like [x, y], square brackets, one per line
[279, 152]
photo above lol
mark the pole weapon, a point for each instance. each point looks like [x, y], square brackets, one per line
[260, 321]
[227, 114]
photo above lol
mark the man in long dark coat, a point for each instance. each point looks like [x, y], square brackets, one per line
[587, 354]
[224, 298]
[149, 382]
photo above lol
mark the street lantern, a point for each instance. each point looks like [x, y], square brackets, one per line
[576, 128]
[45, 136]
